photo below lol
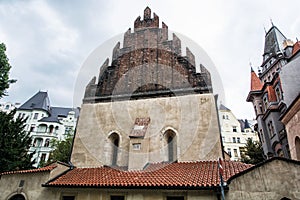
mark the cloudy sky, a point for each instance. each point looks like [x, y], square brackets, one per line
[48, 41]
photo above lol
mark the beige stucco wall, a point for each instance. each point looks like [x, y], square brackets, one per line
[142, 194]
[273, 180]
[192, 117]
[32, 188]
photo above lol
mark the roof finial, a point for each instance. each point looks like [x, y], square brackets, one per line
[271, 22]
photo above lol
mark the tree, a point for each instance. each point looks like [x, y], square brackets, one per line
[14, 143]
[62, 150]
[4, 71]
[253, 152]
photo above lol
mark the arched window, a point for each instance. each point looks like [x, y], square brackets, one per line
[47, 143]
[51, 127]
[114, 141]
[297, 147]
[17, 197]
[37, 142]
[170, 138]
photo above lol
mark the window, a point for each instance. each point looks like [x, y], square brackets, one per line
[238, 140]
[47, 142]
[35, 115]
[261, 136]
[68, 198]
[117, 197]
[271, 129]
[114, 142]
[265, 100]
[43, 157]
[37, 142]
[278, 93]
[255, 109]
[32, 128]
[175, 197]
[136, 146]
[233, 140]
[229, 151]
[6, 107]
[227, 117]
[234, 129]
[260, 108]
[235, 152]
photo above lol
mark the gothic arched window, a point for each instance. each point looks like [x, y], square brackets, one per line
[114, 141]
[171, 141]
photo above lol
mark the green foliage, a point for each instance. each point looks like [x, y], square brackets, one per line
[62, 149]
[4, 71]
[14, 143]
[253, 152]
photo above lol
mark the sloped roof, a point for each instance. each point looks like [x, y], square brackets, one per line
[296, 47]
[273, 41]
[56, 112]
[256, 84]
[201, 174]
[42, 169]
[39, 101]
[222, 107]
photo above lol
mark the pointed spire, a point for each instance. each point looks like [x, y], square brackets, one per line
[255, 82]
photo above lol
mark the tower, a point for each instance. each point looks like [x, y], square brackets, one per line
[266, 94]
[149, 104]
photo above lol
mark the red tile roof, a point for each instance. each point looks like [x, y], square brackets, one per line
[271, 94]
[188, 174]
[256, 85]
[42, 169]
[296, 47]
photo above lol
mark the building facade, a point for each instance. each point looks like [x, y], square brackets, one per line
[290, 79]
[148, 129]
[235, 133]
[45, 123]
[267, 94]
[8, 106]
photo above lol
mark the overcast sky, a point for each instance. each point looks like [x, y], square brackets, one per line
[48, 41]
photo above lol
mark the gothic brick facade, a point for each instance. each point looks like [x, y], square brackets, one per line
[148, 65]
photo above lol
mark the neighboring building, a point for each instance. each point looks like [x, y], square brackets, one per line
[290, 80]
[266, 93]
[148, 129]
[8, 106]
[45, 123]
[235, 133]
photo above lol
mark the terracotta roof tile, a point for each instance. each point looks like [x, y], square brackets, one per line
[271, 94]
[185, 174]
[256, 85]
[42, 169]
[296, 47]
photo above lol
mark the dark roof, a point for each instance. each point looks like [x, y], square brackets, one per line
[192, 175]
[56, 112]
[222, 107]
[273, 41]
[40, 101]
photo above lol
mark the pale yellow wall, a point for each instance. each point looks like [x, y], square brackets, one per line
[273, 180]
[192, 117]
